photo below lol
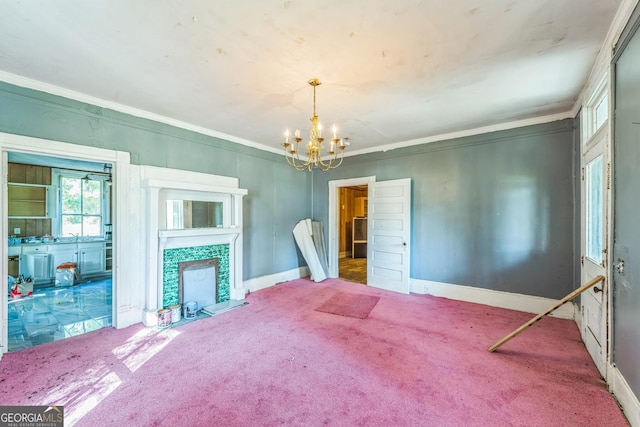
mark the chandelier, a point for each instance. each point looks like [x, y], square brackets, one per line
[314, 145]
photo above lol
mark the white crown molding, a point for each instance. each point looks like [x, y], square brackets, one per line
[78, 96]
[469, 132]
[89, 99]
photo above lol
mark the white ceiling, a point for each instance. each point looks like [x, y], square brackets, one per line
[392, 70]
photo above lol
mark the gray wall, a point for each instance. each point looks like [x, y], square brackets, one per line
[278, 195]
[494, 211]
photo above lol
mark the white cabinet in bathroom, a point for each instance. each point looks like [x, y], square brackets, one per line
[41, 261]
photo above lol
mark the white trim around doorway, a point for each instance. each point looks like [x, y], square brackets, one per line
[123, 203]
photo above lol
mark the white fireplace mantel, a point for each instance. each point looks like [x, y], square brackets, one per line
[155, 182]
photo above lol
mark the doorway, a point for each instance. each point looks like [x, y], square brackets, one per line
[338, 228]
[353, 203]
[59, 220]
[388, 225]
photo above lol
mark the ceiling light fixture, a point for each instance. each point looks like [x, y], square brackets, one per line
[314, 146]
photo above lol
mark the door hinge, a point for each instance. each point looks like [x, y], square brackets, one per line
[582, 260]
[609, 176]
[582, 174]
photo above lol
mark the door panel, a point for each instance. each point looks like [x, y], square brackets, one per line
[389, 235]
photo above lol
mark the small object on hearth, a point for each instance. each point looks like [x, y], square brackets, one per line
[190, 309]
[164, 318]
[175, 312]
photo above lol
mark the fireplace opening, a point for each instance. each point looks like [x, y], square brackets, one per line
[198, 281]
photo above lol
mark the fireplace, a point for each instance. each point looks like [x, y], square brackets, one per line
[175, 261]
[172, 197]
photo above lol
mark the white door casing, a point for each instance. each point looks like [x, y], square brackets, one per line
[389, 237]
[122, 220]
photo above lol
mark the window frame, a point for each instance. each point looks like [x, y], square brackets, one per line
[58, 175]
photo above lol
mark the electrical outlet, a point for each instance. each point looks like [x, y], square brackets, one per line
[16, 231]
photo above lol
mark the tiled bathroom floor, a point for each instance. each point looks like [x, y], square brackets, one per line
[51, 314]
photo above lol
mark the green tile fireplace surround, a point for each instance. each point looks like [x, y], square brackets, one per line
[172, 257]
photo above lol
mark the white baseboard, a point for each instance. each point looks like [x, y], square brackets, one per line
[512, 301]
[627, 399]
[263, 282]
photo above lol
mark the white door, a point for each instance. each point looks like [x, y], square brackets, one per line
[594, 248]
[388, 248]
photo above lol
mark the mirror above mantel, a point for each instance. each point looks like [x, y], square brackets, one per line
[186, 214]
[185, 210]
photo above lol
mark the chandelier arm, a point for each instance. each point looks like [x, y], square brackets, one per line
[305, 164]
[341, 158]
[291, 156]
[332, 159]
[294, 160]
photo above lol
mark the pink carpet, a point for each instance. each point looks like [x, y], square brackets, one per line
[350, 305]
[416, 360]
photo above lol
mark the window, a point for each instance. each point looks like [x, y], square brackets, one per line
[81, 206]
[601, 112]
[594, 209]
[596, 111]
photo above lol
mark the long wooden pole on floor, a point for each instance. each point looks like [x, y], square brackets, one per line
[569, 297]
